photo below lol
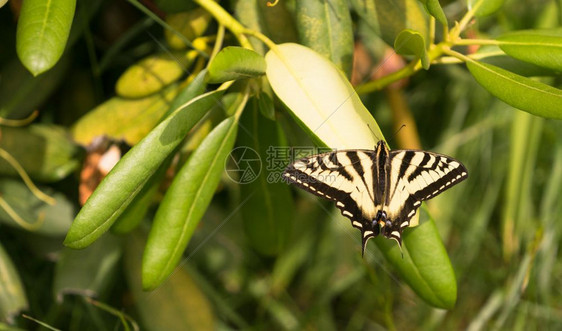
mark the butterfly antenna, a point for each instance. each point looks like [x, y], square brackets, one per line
[373, 132]
[397, 131]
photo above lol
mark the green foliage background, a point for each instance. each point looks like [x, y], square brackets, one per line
[170, 241]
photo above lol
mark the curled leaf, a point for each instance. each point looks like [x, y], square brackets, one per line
[410, 42]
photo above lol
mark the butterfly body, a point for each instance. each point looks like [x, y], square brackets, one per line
[378, 190]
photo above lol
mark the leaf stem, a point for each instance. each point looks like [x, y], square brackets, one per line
[218, 42]
[464, 42]
[476, 56]
[18, 219]
[461, 26]
[457, 55]
[379, 84]
[22, 122]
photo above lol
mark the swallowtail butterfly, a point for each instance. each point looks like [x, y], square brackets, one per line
[378, 190]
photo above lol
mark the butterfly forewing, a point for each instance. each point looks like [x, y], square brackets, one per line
[345, 177]
[417, 176]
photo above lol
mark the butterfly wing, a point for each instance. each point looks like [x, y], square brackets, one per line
[416, 176]
[345, 177]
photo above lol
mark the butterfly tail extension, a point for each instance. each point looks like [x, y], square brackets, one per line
[365, 235]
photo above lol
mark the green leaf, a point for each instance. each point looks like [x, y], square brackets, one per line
[185, 203]
[320, 97]
[487, 7]
[87, 272]
[137, 209]
[325, 26]
[179, 304]
[520, 92]
[411, 42]
[42, 33]
[123, 119]
[268, 213]
[326, 104]
[185, 94]
[235, 63]
[540, 47]
[425, 266]
[55, 220]
[44, 151]
[12, 293]
[387, 18]
[148, 76]
[266, 106]
[434, 9]
[131, 173]
[493, 55]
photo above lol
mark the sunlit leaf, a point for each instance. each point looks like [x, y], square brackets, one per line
[320, 97]
[148, 76]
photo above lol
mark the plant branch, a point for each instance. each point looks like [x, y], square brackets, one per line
[224, 18]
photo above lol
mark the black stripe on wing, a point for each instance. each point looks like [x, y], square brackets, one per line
[425, 178]
[325, 180]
